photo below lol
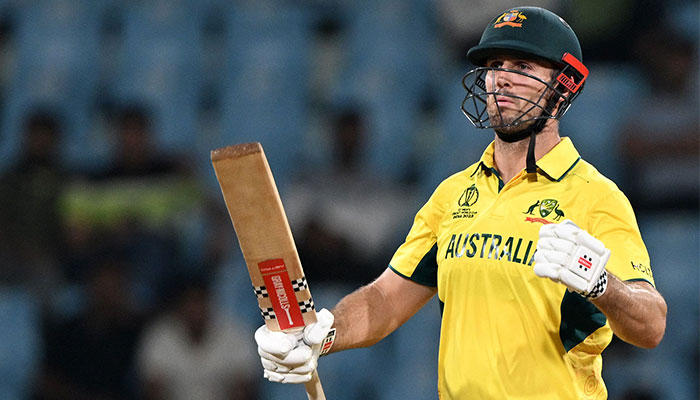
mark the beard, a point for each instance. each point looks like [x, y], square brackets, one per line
[518, 115]
[510, 120]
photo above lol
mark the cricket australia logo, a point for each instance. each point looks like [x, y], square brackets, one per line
[513, 18]
[468, 198]
[544, 208]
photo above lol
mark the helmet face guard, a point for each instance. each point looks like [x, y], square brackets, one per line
[566, 85]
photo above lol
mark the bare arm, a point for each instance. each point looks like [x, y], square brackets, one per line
[370, 313]
[636, 311]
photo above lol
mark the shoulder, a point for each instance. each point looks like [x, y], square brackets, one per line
[599, 196]
[589, 179]
[457, 181]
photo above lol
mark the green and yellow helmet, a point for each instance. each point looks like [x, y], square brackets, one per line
[530, 32]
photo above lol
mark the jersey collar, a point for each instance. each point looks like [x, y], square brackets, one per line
[555, 164]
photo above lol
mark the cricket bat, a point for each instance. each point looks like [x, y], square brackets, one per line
[266, 241]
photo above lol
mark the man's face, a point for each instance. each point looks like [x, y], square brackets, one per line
[516, 94]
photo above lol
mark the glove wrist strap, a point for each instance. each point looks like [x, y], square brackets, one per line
[327, 342]
[599, 287]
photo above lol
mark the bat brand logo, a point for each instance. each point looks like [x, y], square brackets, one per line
[282, 296]
[512, 18]
[585, 261]
[280, 290]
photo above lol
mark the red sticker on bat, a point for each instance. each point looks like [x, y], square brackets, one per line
[281, 292]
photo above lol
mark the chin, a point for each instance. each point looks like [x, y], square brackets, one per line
[511, 128]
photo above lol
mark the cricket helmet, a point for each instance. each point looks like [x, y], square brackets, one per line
[531, 32]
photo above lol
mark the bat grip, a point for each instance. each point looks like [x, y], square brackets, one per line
[314, 390]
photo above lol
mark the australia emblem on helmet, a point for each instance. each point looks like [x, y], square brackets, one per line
[512, 18]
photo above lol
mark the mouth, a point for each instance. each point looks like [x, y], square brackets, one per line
[504, 100]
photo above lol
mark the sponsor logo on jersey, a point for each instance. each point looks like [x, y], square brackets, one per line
[513, 18]
[642, 268]
[544, 208]
[491, 246]
[466, 200]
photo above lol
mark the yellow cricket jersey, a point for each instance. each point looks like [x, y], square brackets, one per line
[506, 333]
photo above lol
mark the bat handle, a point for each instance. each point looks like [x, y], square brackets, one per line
[314, 390]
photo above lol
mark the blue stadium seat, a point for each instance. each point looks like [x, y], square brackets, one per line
[266, 82]
[670, 369]
[595, 119]
[21, 350]
[414, 364]
[161, 66]
[387, 70]
[458, 144]
[57, 65]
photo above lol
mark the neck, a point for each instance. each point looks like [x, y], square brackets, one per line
[510, 158]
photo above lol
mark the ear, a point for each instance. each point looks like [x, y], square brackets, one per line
[558, 95]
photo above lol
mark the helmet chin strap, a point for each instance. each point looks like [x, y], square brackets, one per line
[531, 131]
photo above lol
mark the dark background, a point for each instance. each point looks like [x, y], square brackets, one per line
[111, 220]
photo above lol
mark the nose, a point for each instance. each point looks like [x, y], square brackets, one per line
[502, 79]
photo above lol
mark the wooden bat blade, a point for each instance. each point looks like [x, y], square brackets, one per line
[264, 235]
[256, 210]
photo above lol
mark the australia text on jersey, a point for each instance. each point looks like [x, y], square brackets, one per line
[491, 246]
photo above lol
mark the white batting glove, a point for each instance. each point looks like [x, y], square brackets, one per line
[292, 358]
[568, 254]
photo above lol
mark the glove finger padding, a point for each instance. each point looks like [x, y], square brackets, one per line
[296, 357]
[570, 255]
[292, 357]
[585, 239]
[273, 366]
[305, 368]
[287, 377]
[547, 270]
[573, 281]
[278, 343]
[558, 244]
[565, 230]
[551, 256]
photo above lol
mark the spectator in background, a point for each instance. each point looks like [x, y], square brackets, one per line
[661, 140]
[137, 155]
[8, 50]
[600, 25]
[90, 357]
[137, 202]
[30, 221]
[344, 218]
[192, 351]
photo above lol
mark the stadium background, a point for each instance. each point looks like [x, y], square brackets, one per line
[357, 106]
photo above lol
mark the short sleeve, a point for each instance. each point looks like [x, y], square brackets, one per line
[416, 258]
[613, 222]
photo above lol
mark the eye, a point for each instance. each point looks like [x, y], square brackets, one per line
[523, 66]
[495, 64]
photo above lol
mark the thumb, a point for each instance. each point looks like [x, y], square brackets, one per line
[316, 332]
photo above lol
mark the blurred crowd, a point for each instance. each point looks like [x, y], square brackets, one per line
[121, 276]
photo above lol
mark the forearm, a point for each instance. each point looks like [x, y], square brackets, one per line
[635, 310]
[369, 314]
[362, 318]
